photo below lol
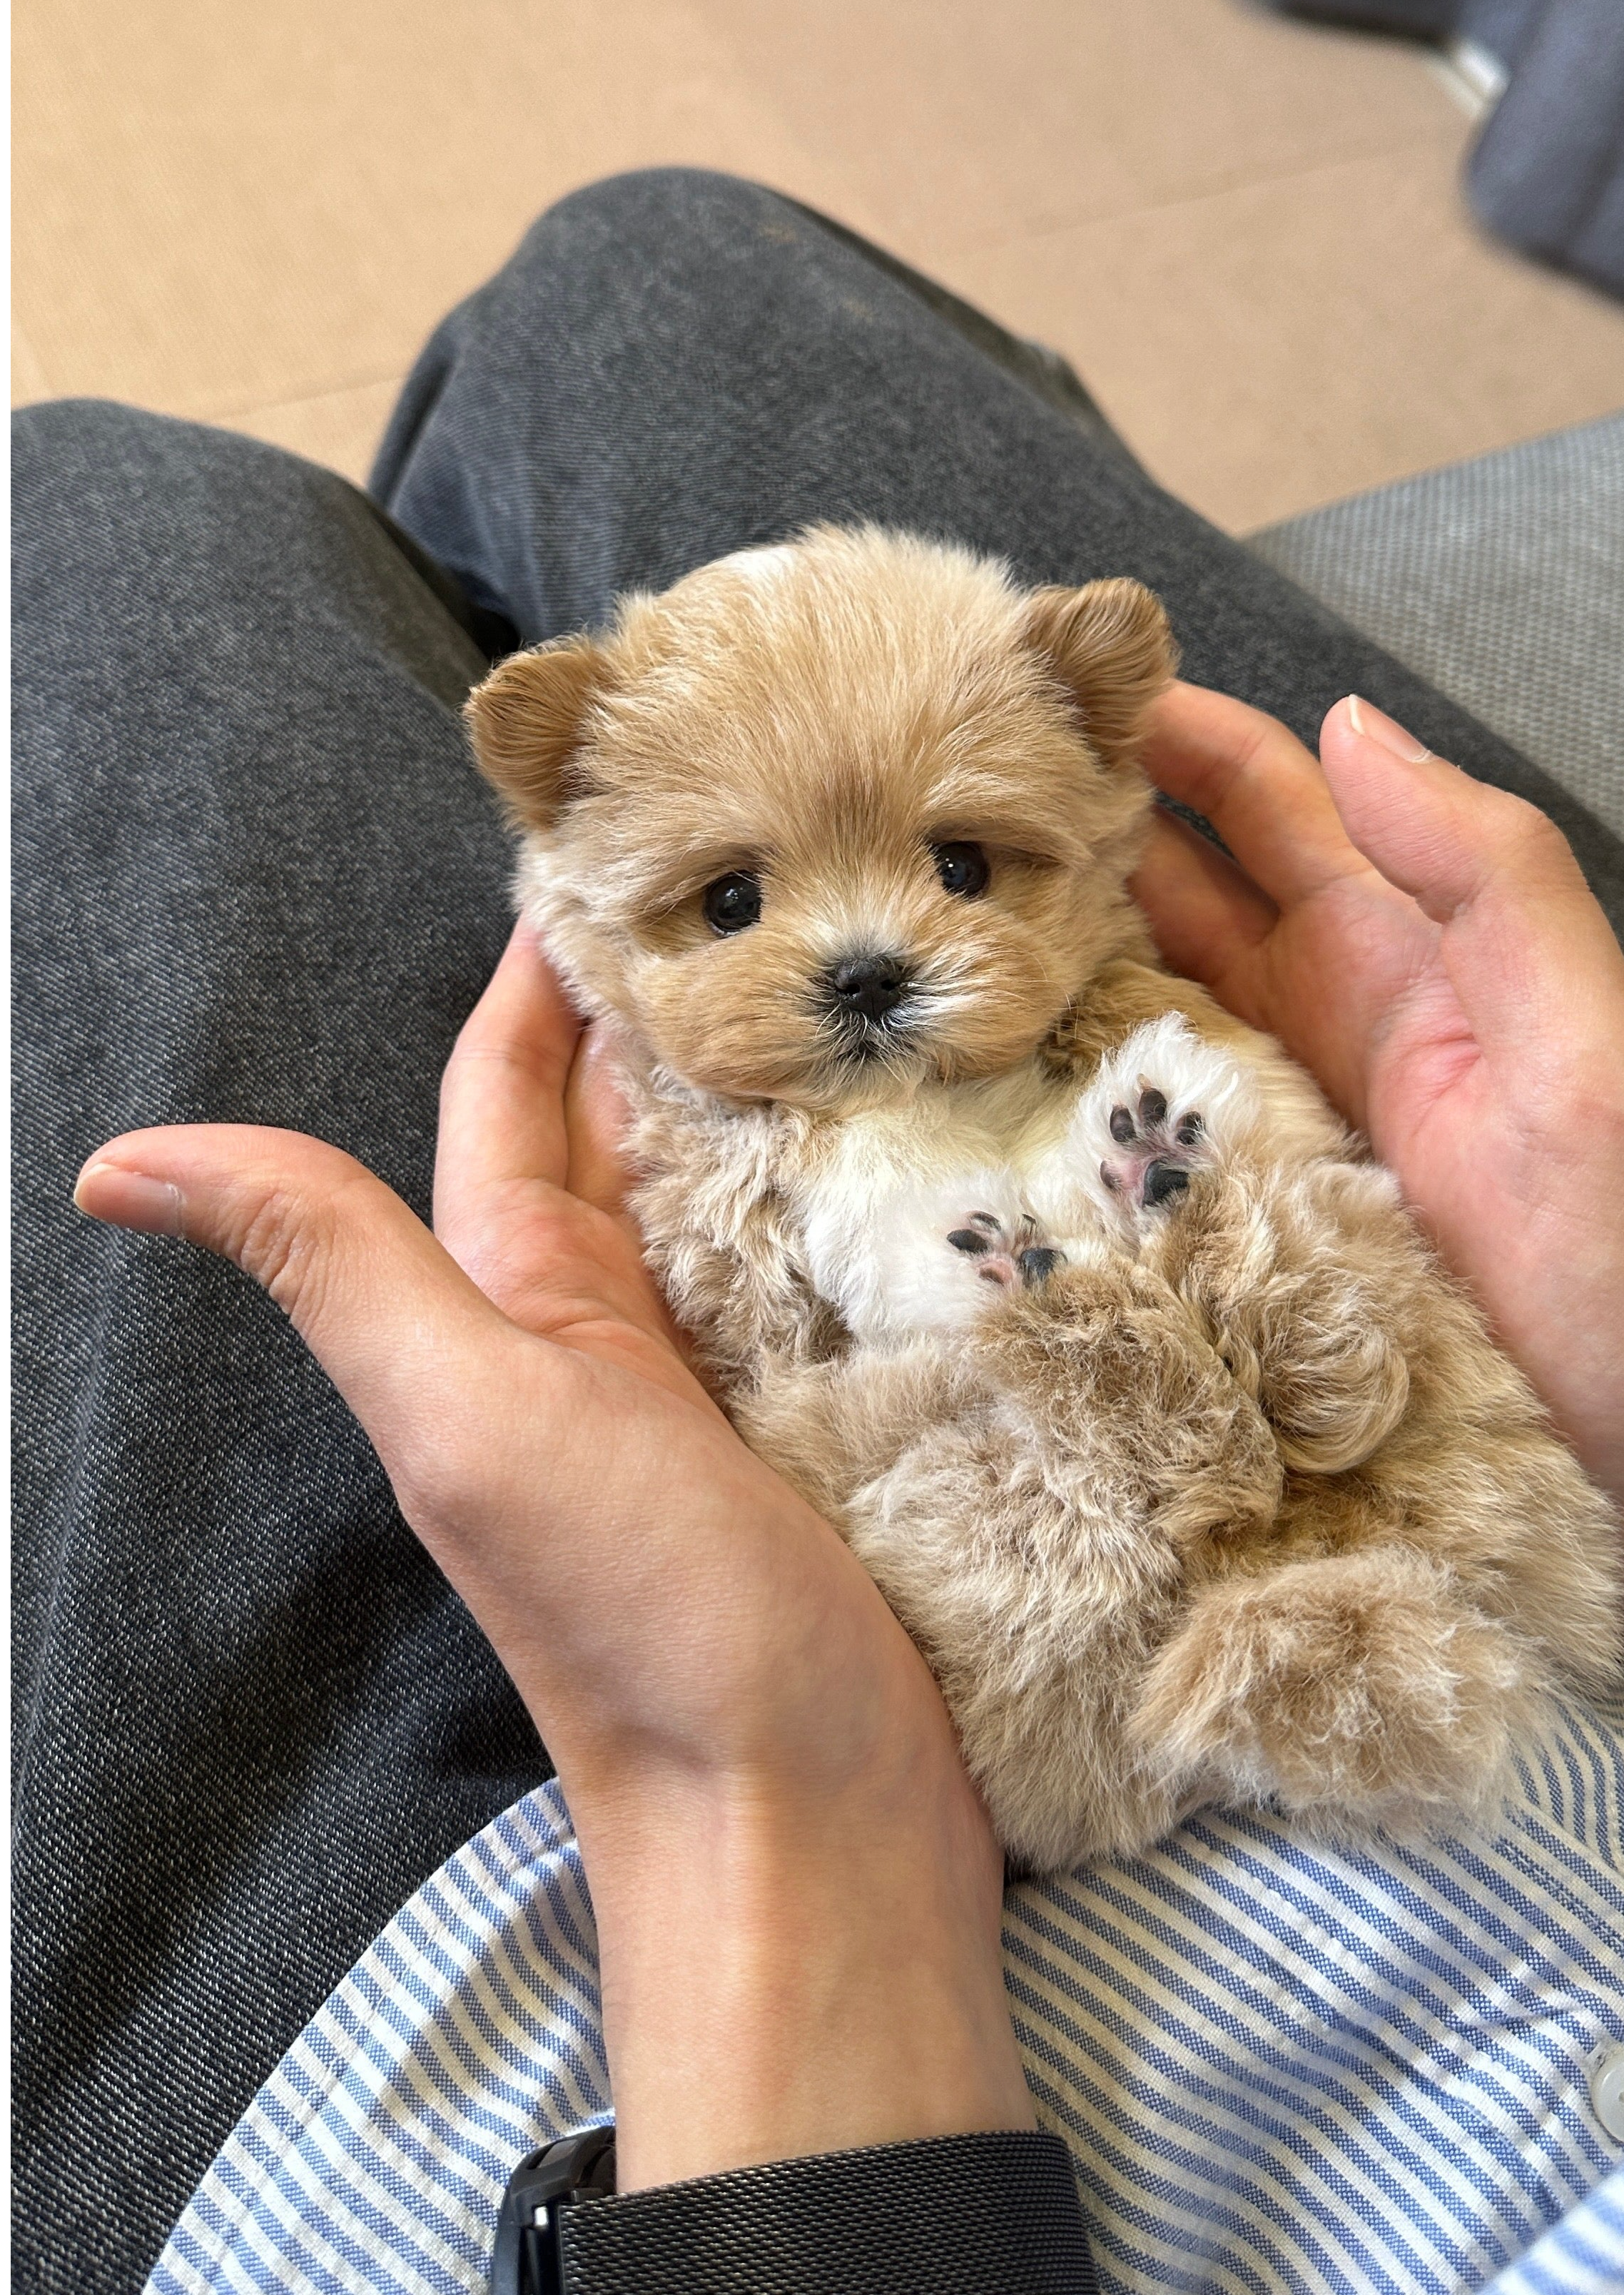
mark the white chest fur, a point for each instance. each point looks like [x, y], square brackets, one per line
[1030, 1160]
[892, 1184]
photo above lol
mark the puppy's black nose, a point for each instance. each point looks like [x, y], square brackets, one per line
[868, 986]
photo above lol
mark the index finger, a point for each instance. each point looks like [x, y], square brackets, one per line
[1209, 920]
[501, 1098]
[1258, 787]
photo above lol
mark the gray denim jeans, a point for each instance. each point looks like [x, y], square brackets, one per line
[257, 879]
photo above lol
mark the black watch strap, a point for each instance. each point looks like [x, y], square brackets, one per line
[952, 2215]
[527, 2258]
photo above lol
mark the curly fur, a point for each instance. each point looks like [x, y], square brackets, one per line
[1065, 1296]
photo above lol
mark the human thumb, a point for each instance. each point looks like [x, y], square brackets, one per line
[383, 1308]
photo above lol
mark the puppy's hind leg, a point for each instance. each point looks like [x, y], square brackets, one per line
[1354, 1691]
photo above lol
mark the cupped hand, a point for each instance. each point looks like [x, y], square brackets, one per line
[1428, 948]
[796, 1889]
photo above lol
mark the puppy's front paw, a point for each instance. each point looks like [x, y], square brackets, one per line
[1156, 1145]
[1161, 1109]
[933, 1264]
[1010, 1257]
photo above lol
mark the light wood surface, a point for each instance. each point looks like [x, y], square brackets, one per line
[1248, 235]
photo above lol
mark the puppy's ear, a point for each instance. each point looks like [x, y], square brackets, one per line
[1110, 646]
[526, 721]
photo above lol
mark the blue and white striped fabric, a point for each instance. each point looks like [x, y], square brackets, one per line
[1580, 2256]
[1279, 2068]
[377, 2153]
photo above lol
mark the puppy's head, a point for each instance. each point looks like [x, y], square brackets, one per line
[829, 819]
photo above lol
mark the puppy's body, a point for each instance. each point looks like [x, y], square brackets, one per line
[1063, 1293]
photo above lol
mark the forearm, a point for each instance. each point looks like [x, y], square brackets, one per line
[785, 1975]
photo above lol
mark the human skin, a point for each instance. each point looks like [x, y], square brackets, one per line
[796, 1889]
[1427, 946]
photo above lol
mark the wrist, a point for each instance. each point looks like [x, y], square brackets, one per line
[787, 1972]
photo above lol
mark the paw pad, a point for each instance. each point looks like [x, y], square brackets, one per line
[1009, 1258]
[1160, 1150]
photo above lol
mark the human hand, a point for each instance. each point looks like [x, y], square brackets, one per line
[796, 1889]
[1428, 948]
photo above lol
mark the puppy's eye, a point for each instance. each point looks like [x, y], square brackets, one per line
[733, 902]
[962, 868]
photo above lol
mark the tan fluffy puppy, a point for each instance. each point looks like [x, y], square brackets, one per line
[1064, 1294]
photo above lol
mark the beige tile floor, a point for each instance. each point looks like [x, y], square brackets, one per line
[1246, 233]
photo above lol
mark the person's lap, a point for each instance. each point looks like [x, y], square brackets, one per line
[257, 879]
[674, 366]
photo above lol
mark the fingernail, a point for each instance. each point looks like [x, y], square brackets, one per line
[1376, 725]
[105, 1191]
